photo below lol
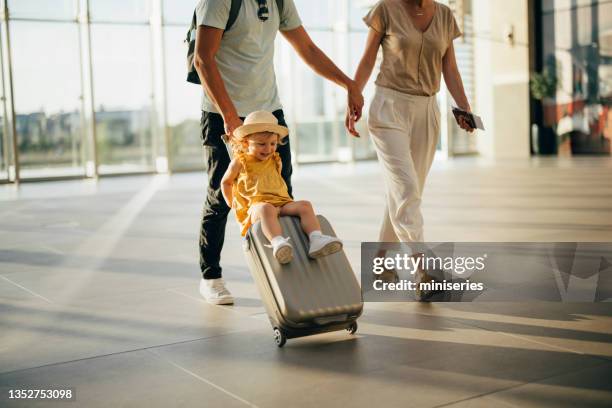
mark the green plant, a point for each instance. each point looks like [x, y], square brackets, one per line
[543, 84]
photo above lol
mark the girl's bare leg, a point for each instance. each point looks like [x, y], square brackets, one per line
[268, 215]
[304, 210]
[320, 245]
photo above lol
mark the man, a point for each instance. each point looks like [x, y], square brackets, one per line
[237, 73]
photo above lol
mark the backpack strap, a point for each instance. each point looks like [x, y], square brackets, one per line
[192, 75]
[233, 14]
[280, 5]
[191, 28]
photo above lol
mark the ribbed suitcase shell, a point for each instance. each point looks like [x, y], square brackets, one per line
[305, 296]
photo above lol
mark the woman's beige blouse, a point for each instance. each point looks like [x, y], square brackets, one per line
[412, 60]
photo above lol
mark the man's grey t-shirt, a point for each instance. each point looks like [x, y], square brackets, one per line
[246, 55]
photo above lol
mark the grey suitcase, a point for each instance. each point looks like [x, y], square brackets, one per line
[305, 296]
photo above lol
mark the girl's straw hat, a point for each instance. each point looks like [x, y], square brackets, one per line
[260, 121]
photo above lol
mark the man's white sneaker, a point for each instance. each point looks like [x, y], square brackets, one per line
[283, 251]
[324, 245]
[215, 292]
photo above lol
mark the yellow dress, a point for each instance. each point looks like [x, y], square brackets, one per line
[259, 181]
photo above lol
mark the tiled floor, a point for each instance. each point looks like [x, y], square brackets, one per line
[98, 292]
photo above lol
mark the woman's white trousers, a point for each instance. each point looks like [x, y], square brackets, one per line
[405, 130]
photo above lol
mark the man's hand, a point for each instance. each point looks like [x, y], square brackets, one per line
[355, 101]
[208, 41]
[232, 124]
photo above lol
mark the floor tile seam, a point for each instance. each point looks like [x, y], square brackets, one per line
[23, 288]
[202, 379]
[470, 326]
[228, 308]
[521, 384]
[528, 324]
[516, 385]
[552, 346]
[452, 319]
[156, 346]
[153, 291]
[95, 298]
[140, 292]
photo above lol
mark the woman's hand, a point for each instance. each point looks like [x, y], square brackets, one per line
[462, 122]
[464, 125]
[355, 88]
[354, 108]
[354, 100]
[349, 123]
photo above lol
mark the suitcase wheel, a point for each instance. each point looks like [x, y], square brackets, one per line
[279, 337]
[352, 329]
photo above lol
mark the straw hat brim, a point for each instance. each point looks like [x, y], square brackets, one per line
[245, 130]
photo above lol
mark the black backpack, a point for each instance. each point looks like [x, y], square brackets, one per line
[192, 74]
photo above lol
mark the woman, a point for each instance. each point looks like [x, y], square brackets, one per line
[404, 118]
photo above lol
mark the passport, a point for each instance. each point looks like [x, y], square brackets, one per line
[473, 120]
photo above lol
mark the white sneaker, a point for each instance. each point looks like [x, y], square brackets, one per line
[324, 245]
[283, 251]
[215, 292]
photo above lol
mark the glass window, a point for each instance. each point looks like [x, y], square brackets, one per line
[47, 86]
[605, 51]
[3, 151]
[576, 76]
[358, 10]
[4, 142]
[363, 148]
[42, 9]
[179, 12]
[183, 105]
[315, 13]
[314, 106]
[130, 10]
[123, 91]
[4, 145]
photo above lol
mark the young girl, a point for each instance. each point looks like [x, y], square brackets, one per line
[253, 186]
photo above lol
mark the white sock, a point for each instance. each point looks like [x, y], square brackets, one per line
[277, 240]
[315, 234]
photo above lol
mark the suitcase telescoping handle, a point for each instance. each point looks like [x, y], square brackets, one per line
[246, 242]
[226, 142]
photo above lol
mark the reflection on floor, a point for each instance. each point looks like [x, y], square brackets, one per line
[98, 292]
